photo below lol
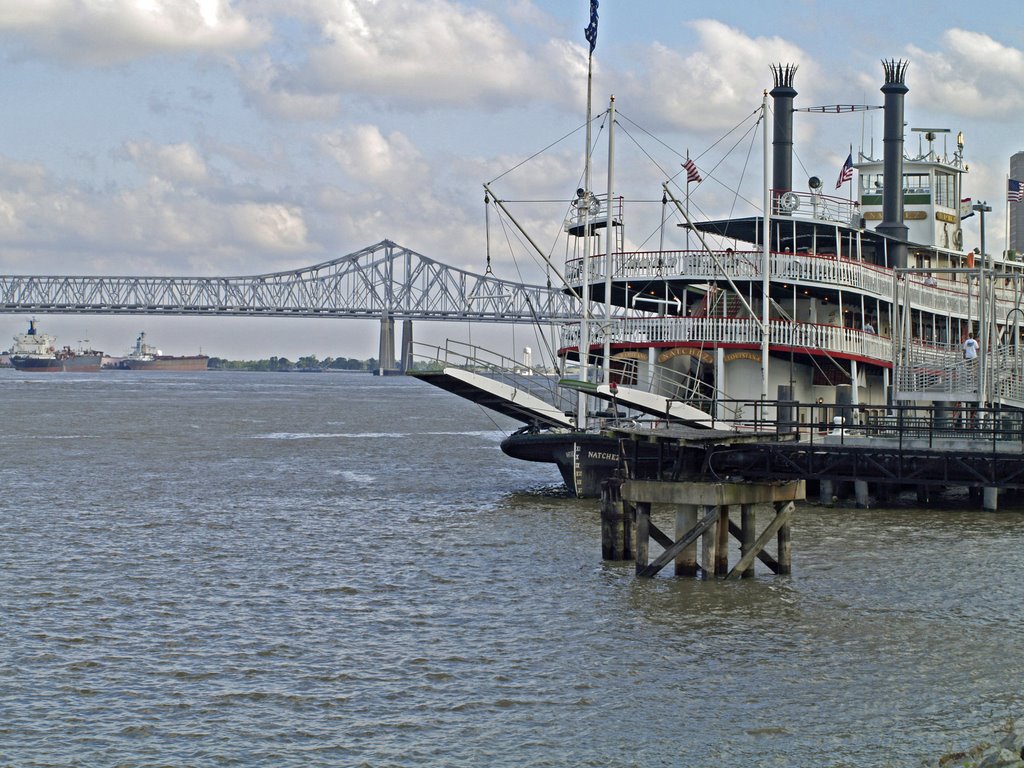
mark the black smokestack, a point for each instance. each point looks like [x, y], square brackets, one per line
[782, 130]
[892, 171]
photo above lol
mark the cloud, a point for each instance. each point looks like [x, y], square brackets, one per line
[714, 86]
[971, 75]
[105, 32]
[177, 221]
[415, 55]
[278, 92]
[174, 162]
[269, 226]
[370, 158]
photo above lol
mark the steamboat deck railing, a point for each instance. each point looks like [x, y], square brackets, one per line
[734, 331]
[948, 297]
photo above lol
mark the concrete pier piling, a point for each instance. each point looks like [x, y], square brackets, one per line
[702, 512]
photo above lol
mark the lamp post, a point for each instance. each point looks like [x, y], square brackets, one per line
[982, 207]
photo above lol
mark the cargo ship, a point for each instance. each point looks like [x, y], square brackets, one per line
[145, 357]
[37, 352]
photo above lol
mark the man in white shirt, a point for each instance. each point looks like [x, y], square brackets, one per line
[970, 347]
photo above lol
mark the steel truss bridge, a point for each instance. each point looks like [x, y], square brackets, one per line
[384, 281]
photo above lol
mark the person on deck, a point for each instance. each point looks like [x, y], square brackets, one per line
[970, 347]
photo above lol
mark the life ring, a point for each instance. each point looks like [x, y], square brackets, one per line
[958, 238]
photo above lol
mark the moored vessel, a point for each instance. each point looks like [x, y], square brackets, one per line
[815, 306]
[37, 352]
[146, 357]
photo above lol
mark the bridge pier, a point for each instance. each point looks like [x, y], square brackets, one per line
[386, 353]
[405, 363]
[386, 362]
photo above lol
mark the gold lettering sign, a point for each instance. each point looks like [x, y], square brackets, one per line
[702, 355]
[630, 355]
[743, 355]
[949, 218]
[877, 215]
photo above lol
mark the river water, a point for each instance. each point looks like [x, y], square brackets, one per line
[273, 569]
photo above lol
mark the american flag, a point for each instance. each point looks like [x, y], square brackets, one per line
[1014, 191]
[591, 31]
[846, 172]
[692, 174]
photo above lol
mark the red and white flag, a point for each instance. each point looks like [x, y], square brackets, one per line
[692, 174]
[846, 172]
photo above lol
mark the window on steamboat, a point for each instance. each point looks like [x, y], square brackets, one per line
[917, 187]
[945, 189]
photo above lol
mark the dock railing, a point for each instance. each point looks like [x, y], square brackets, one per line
[938, 426]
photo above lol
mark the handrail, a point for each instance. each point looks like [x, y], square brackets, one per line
[796, 268]
[713, 331]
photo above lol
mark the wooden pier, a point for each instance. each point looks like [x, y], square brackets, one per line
[702, 512]
[703, 475]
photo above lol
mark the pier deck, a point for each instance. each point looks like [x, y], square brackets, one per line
[891, 453]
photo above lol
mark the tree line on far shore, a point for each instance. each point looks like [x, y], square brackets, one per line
[307, 363]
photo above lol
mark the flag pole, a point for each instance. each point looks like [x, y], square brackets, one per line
[849, 193]
[1006, 218]
[584, 349]
[686, 168]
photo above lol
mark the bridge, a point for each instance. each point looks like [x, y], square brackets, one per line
[384, 281]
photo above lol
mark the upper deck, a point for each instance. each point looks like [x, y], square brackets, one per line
[640, 277]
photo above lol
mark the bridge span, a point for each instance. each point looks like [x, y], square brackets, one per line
[384, 281]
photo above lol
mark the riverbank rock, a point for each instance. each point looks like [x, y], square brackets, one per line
[1006, 752]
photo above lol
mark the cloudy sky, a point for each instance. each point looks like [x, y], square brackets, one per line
[233, 137]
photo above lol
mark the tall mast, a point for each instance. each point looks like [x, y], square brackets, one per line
[584, 200]
[611, 242]
[765, 252]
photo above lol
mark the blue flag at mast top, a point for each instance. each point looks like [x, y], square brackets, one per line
[591, 30]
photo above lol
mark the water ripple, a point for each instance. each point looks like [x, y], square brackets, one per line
[289, 589]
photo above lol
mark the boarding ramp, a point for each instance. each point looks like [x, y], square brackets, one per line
[940, 373]
[936, 372]
[528, 394]
[688, 404]
[1008, 375]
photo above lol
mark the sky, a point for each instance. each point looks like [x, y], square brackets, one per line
[235, 137]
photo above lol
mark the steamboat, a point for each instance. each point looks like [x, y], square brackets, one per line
[852, 304]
